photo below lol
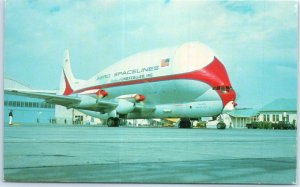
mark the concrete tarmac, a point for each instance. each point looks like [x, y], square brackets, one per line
[65, 153]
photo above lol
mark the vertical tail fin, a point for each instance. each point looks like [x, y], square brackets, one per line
[68, 83]
[67, 79]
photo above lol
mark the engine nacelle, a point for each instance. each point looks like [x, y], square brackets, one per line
[101, 93]
[125, 106]
[139, 97]
[86, 101]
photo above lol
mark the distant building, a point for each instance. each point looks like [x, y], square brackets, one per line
[73, 116]
[25, 109]
[143, 122]
[279, 110]
[241, 117]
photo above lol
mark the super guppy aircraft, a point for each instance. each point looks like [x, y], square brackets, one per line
[186, 82]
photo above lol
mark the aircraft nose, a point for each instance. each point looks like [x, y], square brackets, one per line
[216, 75]
[227, 94]
[229, 100]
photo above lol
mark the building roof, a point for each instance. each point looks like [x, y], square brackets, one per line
[13, 84]
[244, 112]
[280, 105]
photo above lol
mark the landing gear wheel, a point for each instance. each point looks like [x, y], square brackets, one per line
[221, 125]
[185, 123]
[113, 122]
[117, 122]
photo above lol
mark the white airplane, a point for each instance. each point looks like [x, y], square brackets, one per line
[186, 82]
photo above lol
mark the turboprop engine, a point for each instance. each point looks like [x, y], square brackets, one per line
[125, 106]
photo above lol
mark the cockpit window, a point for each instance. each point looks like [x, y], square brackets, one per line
[224, 89]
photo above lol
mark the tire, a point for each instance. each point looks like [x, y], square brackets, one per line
[221, 125]
[110, 122]
[117, 122]
[185, 123]
[113, 122]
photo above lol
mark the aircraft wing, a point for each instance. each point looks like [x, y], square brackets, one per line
[98, 106]
[48, 96]
[85, 103]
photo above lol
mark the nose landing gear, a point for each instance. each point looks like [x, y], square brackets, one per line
[221, 125]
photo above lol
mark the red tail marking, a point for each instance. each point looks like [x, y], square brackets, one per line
[68, 89]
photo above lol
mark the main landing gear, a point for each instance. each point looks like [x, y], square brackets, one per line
[185, 123]
[113, 122]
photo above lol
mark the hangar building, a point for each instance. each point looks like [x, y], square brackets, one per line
[32, 110]
[25, 109]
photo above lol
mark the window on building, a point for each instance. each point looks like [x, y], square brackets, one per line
[22, 104]
[265, 117]
[287, 118]
[34, 104]
[14, 103]
[277, 117]
[268, 117]
[5, 103]
[18, 104]
[42, 105]
[30, 104]
[273, 117]
[26, 104]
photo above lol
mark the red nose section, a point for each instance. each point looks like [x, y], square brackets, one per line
[216, 75]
